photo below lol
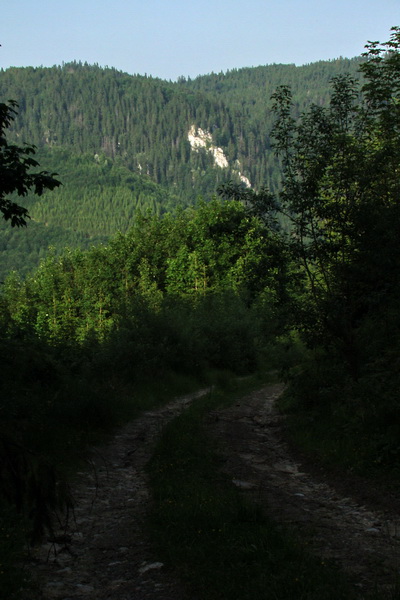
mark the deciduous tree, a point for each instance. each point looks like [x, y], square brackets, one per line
[16, 163]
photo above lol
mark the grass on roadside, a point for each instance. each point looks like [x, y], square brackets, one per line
[13, 577]
[349, 428]
[50, 445]
[221, 545]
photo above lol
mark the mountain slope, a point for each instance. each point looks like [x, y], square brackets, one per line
[145, 122]
[115, 139]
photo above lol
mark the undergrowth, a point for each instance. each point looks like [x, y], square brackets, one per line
[13, 577]
[345, 424]
[41, 450]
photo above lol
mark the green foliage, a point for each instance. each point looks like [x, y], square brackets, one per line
[98, 198]
[215, 248]
[88, 326]
[15, 175]
[120, 144]
[341, 191]
[340, 188]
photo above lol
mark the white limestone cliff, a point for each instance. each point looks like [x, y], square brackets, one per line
[201, 139]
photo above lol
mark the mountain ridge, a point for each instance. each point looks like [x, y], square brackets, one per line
[140, 127]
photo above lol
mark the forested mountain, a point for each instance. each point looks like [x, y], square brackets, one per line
[123, 143]
[191, 295]
[145, 121]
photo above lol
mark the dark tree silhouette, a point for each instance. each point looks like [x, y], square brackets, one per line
[15, 165]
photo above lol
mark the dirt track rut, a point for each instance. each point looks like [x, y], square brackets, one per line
[364, 541]
[105, 554]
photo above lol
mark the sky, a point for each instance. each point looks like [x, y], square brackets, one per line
[172, 38]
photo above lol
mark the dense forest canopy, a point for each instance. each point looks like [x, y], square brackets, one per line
[120, 143]
[145, 121]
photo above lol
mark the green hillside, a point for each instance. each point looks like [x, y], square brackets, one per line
[98, 198]
[120, 143]
[145, 121]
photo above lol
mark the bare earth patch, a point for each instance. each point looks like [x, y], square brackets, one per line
[103, 550]
[330, 513]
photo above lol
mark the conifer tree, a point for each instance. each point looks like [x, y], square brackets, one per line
[15, 175]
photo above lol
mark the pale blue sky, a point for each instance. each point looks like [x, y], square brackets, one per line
[168, 38]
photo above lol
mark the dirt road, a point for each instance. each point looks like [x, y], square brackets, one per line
[104, 552]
